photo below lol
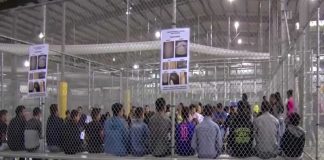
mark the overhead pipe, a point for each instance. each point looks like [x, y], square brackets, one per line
[21, 49]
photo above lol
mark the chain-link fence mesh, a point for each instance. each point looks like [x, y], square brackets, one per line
[248, 78]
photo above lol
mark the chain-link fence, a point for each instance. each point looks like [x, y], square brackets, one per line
[253, 81]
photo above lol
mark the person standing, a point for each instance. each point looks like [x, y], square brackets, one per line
[54, 130]
[16, 130]
[160, 129]
[116, 132]
[184, 134]
[3, 130]
[94, 132]
[139, 134]
[290, 103]
[266, 129]
[72, 142]
[33, 131]
[207, 139]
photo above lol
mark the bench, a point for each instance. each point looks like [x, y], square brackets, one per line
[102, 156]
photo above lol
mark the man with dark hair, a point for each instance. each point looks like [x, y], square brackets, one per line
[33, 131]
[139, 133]
[94, 132]
[246, 104]
[293, 140]
[16, 130]
[207, 139]
[72, 142]
[82, 122]
[160, 127]
[116, 132]
[3, 130]
[54, 129]
[266, 133]
[147, 114]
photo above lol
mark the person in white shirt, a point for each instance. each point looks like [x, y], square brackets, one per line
[266, 129]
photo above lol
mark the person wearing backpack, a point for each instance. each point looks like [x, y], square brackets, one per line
[184, 133]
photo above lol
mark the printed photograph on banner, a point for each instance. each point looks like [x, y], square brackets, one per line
[42, 61]
[165, 78]
[174, 78]
[33, 63]
[181, 48]
[183, 78]
[168, 50]
[181, 64]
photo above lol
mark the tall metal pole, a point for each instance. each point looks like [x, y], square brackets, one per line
[42, 99]
[63, 40]
[229, 33]
[2, 99]
[318, 83]
[174, 25]
[89, 84]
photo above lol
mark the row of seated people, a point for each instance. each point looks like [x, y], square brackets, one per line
[203, 135]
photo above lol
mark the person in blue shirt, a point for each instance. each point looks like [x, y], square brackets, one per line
[184, 133]
[220, 117]
[139, 134]
[207, 139]
[116, 132]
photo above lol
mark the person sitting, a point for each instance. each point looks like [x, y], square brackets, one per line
[33, 131]
[266, 129]
[207, 139]
[16, 130]
[160, 128]
[194, 115]
[72, 142]
[240, 138]
[3, 130]
[54, 129]
[116, 132]
[94, 132]
[184, 133]
[293, 140]
[139, 133]
[220, 117]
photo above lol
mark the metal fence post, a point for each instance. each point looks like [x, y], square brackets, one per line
[318, 84]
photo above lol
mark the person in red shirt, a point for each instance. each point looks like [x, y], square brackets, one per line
[290, 103]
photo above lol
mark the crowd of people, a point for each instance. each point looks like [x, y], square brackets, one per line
[240, 130]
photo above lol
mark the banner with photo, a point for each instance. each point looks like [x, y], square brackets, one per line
[38, 63]
[175, 56]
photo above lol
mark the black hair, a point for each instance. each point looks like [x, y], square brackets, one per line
[264, 98]
[175, 78]
[265, 107]
[208, 110]
[36, 111]
[3, 112]
[290, 93]
[116, 108]
[244, 97]
[219, 105]
[67, 112]
[226, 108]
[74, 113]
[185, 113]
[37, 87]
[20, 109]
[139, 112]
[95, 112]
[160, 104]
[199, 103]
[294, 119]
[80, 107]
[168, 107]
[53, 109]
[192, 106]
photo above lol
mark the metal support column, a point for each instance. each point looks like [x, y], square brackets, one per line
[42, 100]
[229, 33]
[174, 25]
[2, 99]
[63, 41]
[318, 84]
[89, 84]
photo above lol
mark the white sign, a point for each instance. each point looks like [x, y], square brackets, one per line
[38, 63]
[175, 56]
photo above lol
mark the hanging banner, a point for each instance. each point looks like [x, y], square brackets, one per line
[175, 56]
[38, 63]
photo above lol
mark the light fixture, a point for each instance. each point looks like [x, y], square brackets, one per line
[26, 63]
[230, 1]
[236, 25]
[41, 35]
[113, 59]
[157, 34]
[297, 26]
[127, 12]
[136, 66]
[239, 41]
